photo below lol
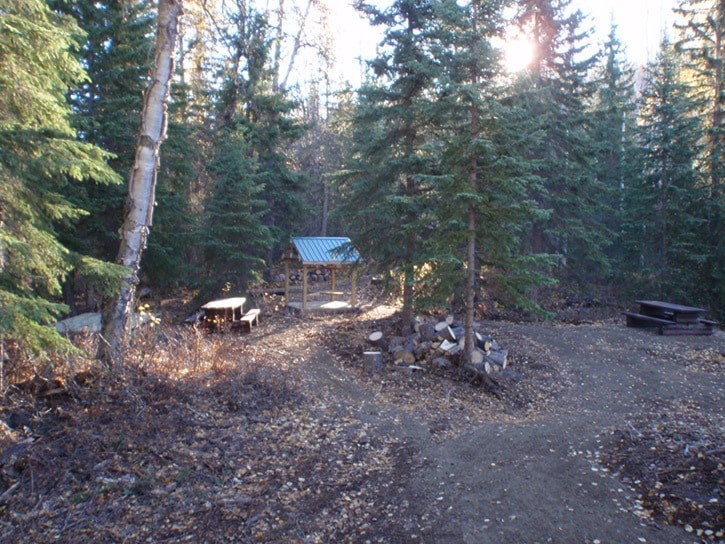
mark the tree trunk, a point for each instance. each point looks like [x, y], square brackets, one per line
[142, 183]
[296, 46]
[325, 205]
[468, 335]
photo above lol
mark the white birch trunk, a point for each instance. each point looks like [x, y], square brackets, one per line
[142, 183]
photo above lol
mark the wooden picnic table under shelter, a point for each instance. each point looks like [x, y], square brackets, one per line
[312, 253]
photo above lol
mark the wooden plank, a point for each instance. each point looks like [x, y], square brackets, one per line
[675, 330]
[669, 307]
[225, 304]
[640, 320]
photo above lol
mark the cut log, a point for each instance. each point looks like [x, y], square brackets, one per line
[373, 361]
[499, 358]
[427, 331]
[484, 342]
[395, 342]
[477, 357]
[446, 333]
[404, 356]
[422, 350]
[451, 348]
[377, 339]
[440, 326]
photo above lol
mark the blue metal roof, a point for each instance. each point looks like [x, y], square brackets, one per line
[325, 250]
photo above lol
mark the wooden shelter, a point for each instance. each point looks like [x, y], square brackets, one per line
[311, 254]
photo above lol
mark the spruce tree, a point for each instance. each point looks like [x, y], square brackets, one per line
[614, 132]
[107, 107]
[234, 236]
[39, 154]
[255, 201]
[392, 171]
[482, 206]
[702, 38]
[170, 259]
[560, 77]
[666, 212]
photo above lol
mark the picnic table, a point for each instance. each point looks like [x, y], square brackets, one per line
[218, 314]
[670, 319]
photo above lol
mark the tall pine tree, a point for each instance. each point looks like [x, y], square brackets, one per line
[482, 206]
[614, 132]
[254, 203]
[39, 153]
[392, 171]
[666, 212]
[560, 77]
[702, 38]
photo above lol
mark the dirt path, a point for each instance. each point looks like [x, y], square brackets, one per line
[533, 477]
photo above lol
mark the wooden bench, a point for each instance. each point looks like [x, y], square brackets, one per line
[250, 318]
[670, 326]
[640, 320]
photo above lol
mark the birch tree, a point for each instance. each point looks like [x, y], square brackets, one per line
[142, 182]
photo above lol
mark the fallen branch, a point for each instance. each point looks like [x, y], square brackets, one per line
[9, 492]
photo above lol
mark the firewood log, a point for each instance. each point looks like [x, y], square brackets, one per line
[377, 339]
[484, 342]
[451, 348]
[498, 358]
[477, 357]
[440, 326]
[421, 350]
[427, 331]
[404, 356]
[445, 333]
[373, 361]
[395, 342]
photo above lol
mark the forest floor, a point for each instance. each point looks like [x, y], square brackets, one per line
[603, 434]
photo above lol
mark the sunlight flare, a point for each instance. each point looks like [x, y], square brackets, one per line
[518, 53]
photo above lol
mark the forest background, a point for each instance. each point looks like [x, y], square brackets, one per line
[452, 176]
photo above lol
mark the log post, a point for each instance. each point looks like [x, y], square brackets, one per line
[332, 285]
[286, 283]
[353, 295]
[304, 287]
